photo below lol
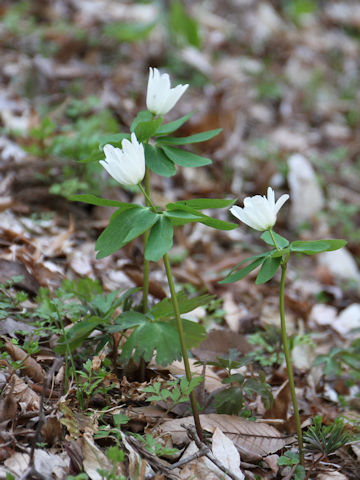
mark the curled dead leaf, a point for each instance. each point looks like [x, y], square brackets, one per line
[31, 366]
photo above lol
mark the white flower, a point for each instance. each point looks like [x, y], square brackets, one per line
[260, 212]
[126, 165]
[160, 97]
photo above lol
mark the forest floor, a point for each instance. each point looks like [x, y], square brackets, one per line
[281, 80]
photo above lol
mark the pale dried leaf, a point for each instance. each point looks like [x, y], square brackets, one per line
[202, 468]
[48, 464]
[303, 356]
[93, 458]
[306, 196]
[348, 320]
[225, 451]
[341, 264]
[332, 476]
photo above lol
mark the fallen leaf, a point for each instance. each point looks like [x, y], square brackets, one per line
[225, 451]
[254, 440]
[25, 397]
[49, 465]
[31, 366]
[93, 458]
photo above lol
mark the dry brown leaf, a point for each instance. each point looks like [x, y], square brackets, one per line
[219, 342]
[25, 397]
[10, 269]
[254, 440]
[31, 366]
[280, 406]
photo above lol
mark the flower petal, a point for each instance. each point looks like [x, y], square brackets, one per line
[281, 202]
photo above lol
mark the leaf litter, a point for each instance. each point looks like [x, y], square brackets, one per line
[280, 80]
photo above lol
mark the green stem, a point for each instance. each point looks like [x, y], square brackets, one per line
[288, 359]
[146, 236]
[146, 265]
[182, 343]
[273, 239]
[147, 197]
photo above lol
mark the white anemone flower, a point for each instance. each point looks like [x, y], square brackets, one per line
[126, 165]
[160, 97]
[260, 212]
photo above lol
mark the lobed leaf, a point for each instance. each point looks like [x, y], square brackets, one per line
[123, 228]
[194, 333]
[160, 239]
[127, 320]
[164, 308]
[147, 338]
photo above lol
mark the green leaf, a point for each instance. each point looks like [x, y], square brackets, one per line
[158, 162]
[160, 239]
[195, 215]
[184, 158]
[164, 308]
[94, 156]
[142, 116]
[128, 32]
[123, 228]
[198, 137]
[77, 334]
[161, 337]
[218, 224]
[127, 320]
[114, 139]
[182, 25]
[103, 202]
[145, 130]
[268, 269]
[281, 242]
[194, 333]
[172, 126]
[180, 217]
[200, 203]
[239, 274]
[317, 246]
[229, 401]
